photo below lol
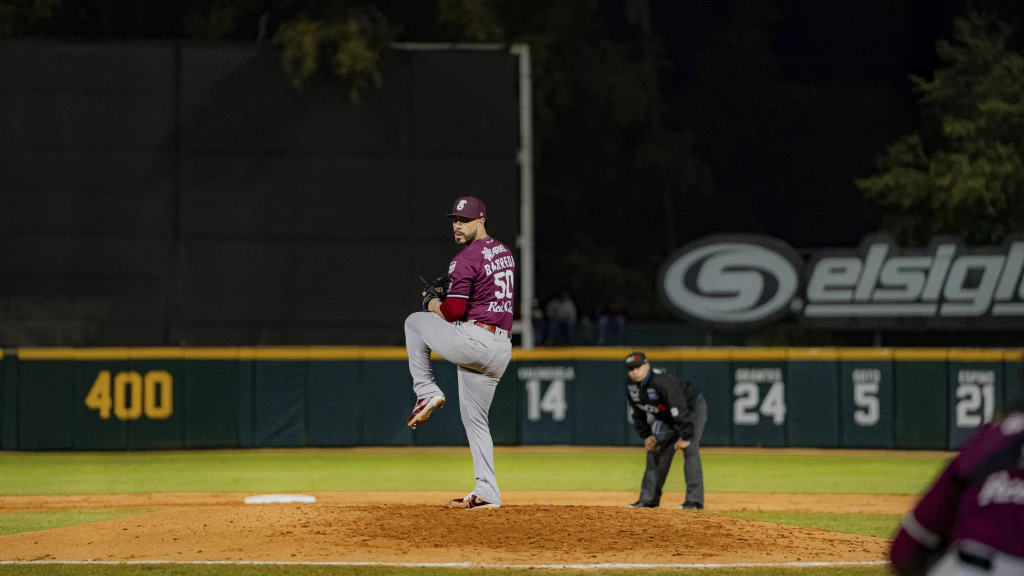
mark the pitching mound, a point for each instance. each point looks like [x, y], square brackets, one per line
[219, 527]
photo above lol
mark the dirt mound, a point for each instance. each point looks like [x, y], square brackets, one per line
[513, 534]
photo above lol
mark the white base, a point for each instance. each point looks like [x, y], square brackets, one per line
[279, 499]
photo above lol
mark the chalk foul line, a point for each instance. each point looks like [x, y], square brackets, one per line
[467, 564]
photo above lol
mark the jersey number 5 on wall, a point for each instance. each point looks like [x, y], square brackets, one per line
[866, 384]
[132, 395]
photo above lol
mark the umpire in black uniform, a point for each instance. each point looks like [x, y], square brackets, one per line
[669, 414]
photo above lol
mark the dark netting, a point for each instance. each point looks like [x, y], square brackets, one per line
[267, 217]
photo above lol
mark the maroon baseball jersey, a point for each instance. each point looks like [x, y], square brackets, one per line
[483, 273]
[979, 497]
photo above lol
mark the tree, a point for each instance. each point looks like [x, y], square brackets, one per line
[963, 171]
[352, 40]
[25, 16]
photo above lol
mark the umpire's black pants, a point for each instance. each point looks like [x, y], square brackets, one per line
[659, 461]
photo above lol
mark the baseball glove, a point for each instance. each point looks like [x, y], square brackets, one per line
[436, 289]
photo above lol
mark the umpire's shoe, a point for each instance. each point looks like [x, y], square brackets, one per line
[423, 408]
[639, 504]
[470, 502]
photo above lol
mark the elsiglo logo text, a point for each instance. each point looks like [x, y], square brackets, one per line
[739, 282]
[944, 281]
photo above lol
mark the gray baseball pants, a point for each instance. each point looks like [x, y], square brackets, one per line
[481, 358]
[660, 460]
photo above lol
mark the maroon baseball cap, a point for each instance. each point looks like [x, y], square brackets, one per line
[468, 207]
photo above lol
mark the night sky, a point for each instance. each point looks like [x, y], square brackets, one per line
[852, 43]
[839, 49]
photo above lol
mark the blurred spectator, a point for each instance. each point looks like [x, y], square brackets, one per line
[586, 333]
[612, 311]
[561, 314]
[540, 323]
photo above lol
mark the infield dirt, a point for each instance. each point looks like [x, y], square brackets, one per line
[530, 528]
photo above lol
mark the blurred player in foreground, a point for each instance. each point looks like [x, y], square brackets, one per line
[971, 521]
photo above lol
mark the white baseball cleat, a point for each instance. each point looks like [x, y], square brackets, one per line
[423, 408]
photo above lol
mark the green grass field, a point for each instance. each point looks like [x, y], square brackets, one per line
[343, 470]
[879, 525]
[15, 522]
[330, 470]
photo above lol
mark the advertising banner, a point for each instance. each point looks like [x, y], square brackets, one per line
[739, 282]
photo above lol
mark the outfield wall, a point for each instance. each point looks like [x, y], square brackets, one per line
[162, 398]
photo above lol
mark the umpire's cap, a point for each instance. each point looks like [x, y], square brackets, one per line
[635, 359]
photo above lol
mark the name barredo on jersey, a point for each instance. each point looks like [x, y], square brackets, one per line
[499, 264]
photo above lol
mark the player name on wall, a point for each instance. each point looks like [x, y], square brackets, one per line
[737, 282]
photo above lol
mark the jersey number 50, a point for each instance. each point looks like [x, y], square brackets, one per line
[505, 281]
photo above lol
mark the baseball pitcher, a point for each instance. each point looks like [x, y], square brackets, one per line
[467, 319]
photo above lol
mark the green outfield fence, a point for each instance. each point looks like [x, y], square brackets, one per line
[164, 398]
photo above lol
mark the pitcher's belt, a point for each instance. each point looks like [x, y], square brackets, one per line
[491, 329]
